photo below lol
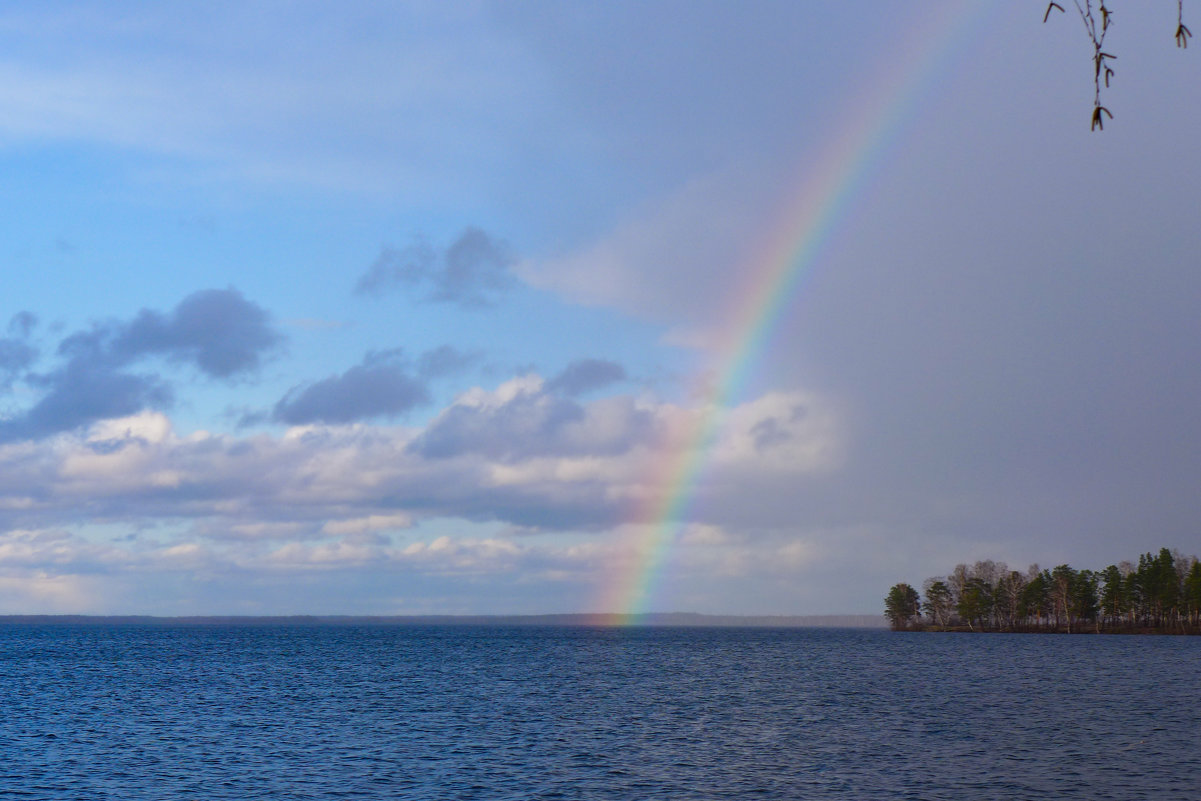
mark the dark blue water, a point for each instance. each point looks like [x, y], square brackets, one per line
[313, 712]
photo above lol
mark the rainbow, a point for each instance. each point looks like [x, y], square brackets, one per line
[827, 190]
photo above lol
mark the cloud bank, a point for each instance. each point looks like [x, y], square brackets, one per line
[569, 466]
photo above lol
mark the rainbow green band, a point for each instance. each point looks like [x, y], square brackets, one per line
[828, 189]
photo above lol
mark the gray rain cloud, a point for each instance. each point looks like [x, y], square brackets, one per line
[445, 361]
[379, 387]
[16, 354]
[22, 324]
[586, 375]
[470, 272]
[218, 332]
[80, 393]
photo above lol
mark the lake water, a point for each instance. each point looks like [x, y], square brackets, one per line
[388, 712]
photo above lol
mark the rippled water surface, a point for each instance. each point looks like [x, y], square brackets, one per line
[332, 712]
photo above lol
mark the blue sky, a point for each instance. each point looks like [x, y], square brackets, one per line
[393, 309]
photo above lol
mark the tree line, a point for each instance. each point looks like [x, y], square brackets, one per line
[1161, 594]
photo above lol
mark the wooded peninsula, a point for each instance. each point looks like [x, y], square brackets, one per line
[1159, 595]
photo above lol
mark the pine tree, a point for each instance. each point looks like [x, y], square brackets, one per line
[901, 605]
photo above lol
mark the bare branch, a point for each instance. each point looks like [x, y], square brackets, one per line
[1096, 29]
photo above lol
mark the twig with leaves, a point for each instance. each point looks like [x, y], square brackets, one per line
[1182, 31]
[1096, 30]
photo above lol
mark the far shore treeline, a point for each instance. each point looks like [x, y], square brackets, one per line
[1159, 595]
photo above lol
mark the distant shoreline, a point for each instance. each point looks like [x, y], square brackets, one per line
[660, 619]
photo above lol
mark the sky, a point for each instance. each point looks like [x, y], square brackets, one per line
[541, 307]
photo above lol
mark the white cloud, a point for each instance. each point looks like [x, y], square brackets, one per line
[339, 553]
[330, 498]
[41, 593]
[780, 432]
[369, 523]
[148, 426]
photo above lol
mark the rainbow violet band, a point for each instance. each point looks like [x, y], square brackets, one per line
[828, 188]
